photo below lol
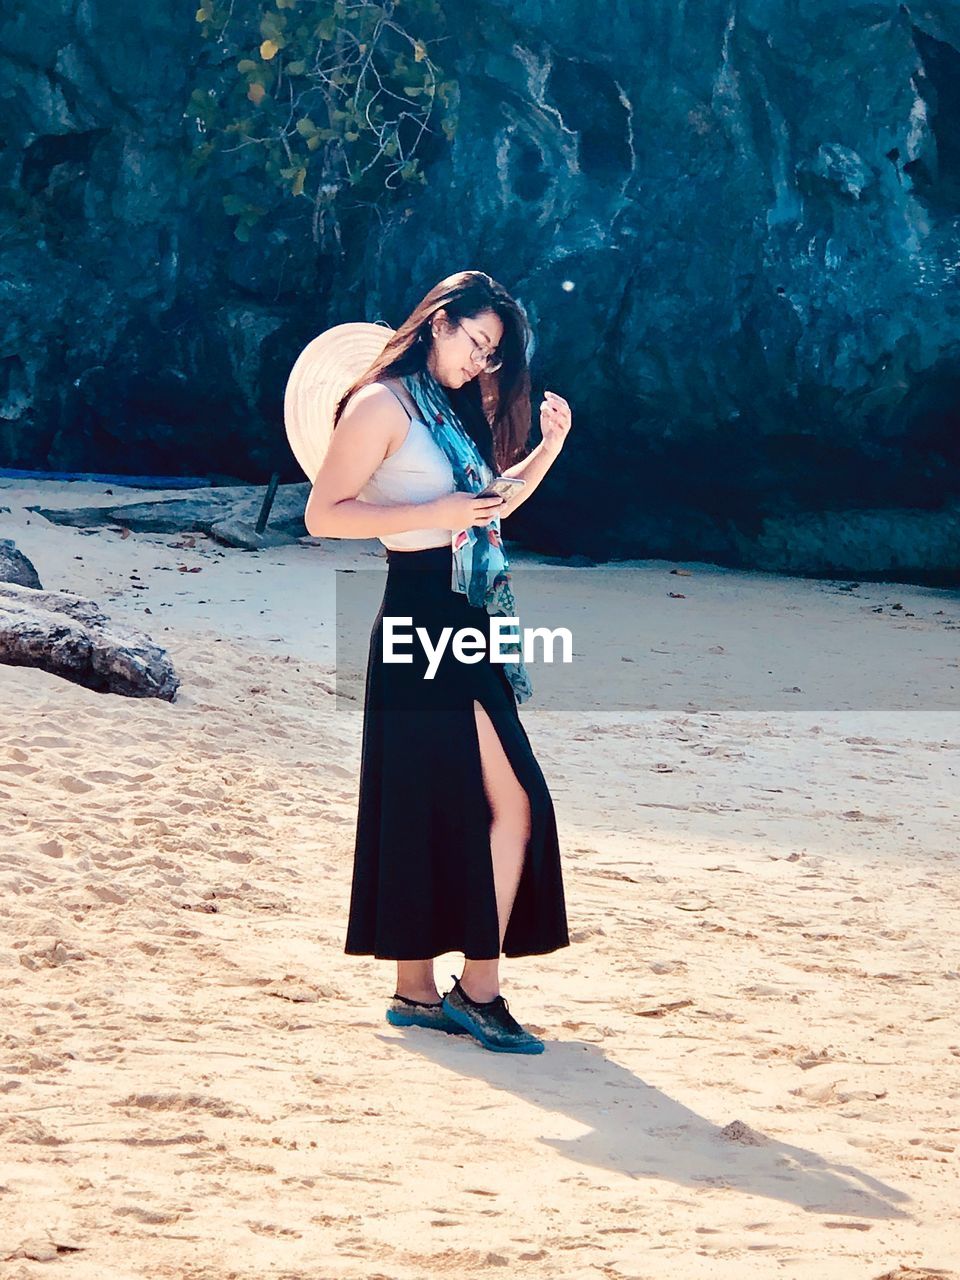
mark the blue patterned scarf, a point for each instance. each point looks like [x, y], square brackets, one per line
[480, 568]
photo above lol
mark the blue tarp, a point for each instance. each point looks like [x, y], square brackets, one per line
[136, 482]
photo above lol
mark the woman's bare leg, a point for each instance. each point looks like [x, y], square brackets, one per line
[415, 980]
[509, 833]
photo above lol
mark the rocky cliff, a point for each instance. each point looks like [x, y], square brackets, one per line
[736, 227]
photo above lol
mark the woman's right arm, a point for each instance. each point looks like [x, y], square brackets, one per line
[357, 446]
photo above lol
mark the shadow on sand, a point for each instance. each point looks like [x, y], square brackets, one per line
[640, 1132]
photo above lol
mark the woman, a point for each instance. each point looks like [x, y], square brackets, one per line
[456, 840]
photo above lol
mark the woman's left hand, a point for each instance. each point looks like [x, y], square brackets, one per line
[555, 421]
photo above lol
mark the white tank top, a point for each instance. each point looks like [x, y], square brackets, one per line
[416, 472]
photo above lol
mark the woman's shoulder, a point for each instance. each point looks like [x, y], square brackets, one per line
[376, 399]
[374, 411]
[398, 390]
[384, 407]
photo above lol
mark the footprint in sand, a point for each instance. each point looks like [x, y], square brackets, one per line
[74, 785]
[60, 952]
[153, 1217]
[20, 1129]
[107, 894]
[46, 1249]
[911, 1273]
[182, 1102]
[157, 825]
[105, 775]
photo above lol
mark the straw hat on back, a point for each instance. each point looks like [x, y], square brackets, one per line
[324, 370]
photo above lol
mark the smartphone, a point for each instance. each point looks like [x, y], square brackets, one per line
[502, 487]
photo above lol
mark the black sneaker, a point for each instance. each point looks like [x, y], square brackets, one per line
[403, 1012]
[490, 1022]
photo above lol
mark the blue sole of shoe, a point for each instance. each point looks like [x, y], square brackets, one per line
[415, 1020]
[463, 1021]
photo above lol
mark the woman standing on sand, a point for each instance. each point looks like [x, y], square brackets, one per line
[456, 839]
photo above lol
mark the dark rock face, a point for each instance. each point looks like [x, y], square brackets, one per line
[736, 228]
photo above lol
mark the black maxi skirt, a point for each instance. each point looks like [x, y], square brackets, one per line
[423, 873]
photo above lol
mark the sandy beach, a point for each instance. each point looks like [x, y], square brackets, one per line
[753, 1054]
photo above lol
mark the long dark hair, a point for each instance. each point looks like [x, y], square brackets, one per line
[494, 407]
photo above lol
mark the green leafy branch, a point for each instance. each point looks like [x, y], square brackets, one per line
[320, 98]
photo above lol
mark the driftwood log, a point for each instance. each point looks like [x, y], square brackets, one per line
[69, 636]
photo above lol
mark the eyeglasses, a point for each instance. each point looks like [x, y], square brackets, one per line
[487, 360]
